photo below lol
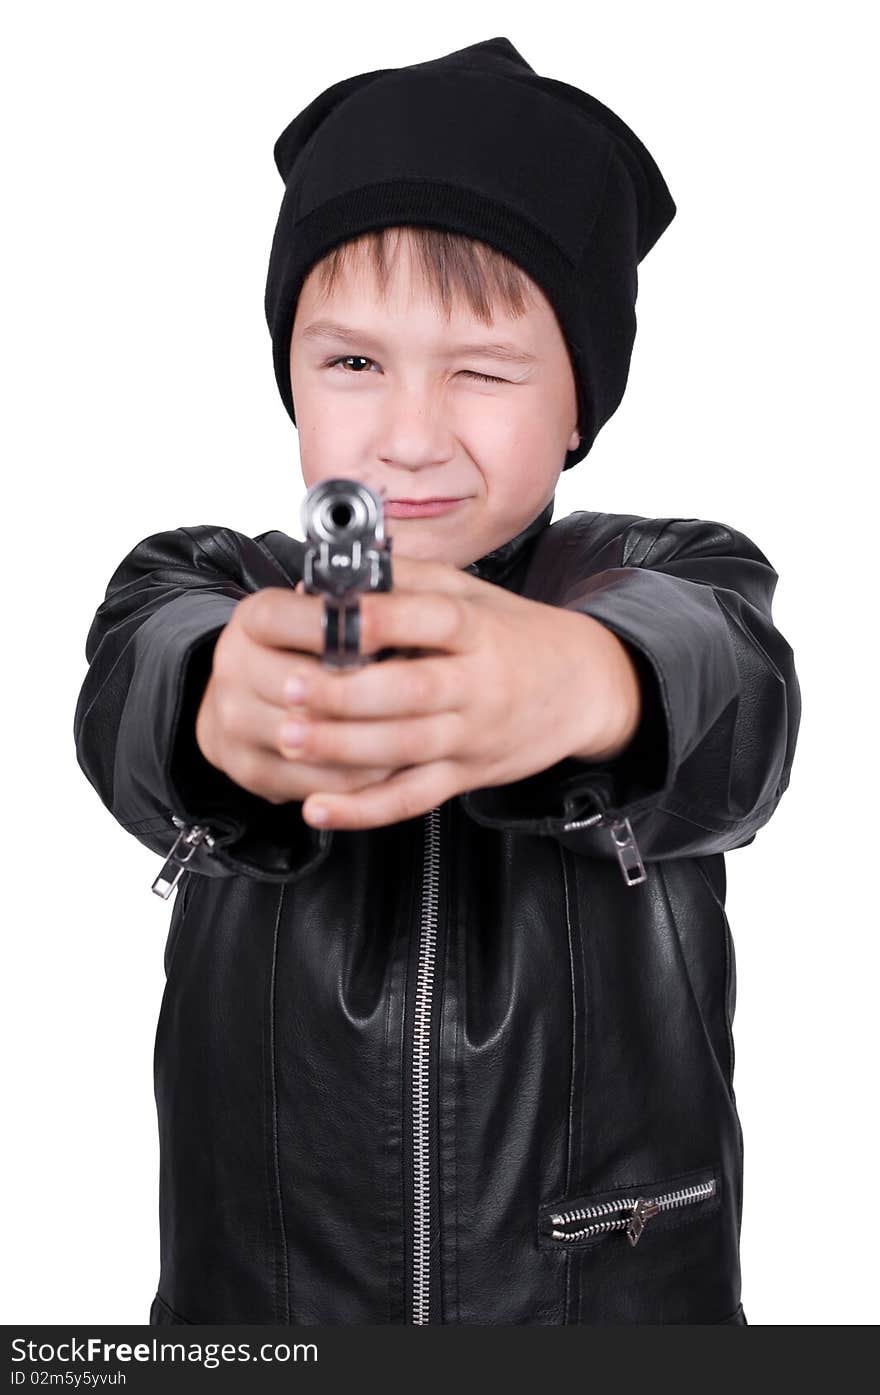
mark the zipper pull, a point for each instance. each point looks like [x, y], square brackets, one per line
[643, 1210]
[188, 839]
[627, 850]
[623, 839]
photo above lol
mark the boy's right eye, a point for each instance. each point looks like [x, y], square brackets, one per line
[348, 358]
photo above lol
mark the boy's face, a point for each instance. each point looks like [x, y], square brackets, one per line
[392, 404]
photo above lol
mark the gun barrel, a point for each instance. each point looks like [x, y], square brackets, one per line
[347, 551]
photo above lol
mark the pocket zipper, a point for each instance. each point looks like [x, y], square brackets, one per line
[637, 1211]
[190, 837]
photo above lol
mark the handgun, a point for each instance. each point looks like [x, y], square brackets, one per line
[347, 553]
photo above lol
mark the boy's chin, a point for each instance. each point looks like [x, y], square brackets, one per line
[421, 549]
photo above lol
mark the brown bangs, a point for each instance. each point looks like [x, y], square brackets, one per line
[455, 269]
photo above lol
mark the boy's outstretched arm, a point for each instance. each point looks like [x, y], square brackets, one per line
[149, 651]
[720, 699]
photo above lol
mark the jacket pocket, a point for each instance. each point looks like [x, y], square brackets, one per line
[628, 1213]
[178, 913]
[162, 1315]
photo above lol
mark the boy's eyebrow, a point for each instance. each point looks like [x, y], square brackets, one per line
[332, 329]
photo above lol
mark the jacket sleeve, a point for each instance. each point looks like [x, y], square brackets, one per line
[721, 704]
[149, 652]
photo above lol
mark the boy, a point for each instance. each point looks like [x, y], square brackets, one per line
[461, 1052]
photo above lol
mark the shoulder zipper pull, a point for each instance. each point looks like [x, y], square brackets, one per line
[185, 844]
[644, 1208]
[625, 845]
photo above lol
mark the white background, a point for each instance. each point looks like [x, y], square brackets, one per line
[138, 395]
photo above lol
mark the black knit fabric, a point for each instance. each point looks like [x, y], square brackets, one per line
[477, 142]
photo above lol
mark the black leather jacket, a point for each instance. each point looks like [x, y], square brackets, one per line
[475, 1067]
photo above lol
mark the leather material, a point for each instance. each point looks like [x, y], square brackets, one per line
[580, 1044]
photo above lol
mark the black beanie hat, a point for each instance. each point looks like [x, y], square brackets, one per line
[478, 143]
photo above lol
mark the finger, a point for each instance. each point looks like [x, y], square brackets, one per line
[243, 717]
[253, 730]
[279, 617]
[290, 782]
[401, 687]
[394, 688]
[266, 673]
[254, 726]
[425, 619]
[262, 768]
[405, 795]
[395, 743]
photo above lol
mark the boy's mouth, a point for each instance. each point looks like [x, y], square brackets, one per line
[419, 508]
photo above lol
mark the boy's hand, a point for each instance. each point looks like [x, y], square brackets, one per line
[243, 708]
[501, 687]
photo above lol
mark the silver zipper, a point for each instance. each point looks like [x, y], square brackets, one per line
[623, 840]
[640, 1209]
[421, 1278]
[190, 837]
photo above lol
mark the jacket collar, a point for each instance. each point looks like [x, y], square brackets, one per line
[496, 565]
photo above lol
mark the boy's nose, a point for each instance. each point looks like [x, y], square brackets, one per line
[414, 431]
